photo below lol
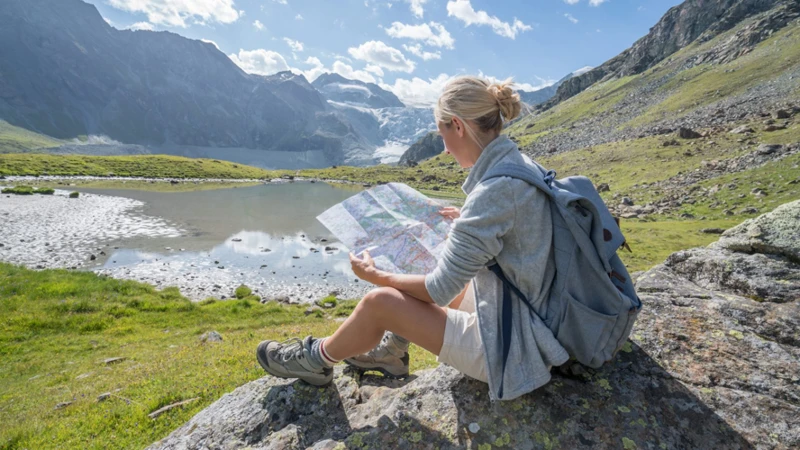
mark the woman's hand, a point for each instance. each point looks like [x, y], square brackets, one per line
[451, 212]
[365, 269]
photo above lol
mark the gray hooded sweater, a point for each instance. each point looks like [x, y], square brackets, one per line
[506, 220]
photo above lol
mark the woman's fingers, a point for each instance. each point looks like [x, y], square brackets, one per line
[450, 212]
[368, 258]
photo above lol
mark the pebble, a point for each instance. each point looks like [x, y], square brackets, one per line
[474, 428]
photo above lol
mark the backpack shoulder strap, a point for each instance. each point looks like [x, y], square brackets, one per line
[520, 172]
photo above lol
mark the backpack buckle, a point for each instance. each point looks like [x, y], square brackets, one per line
[549, 177]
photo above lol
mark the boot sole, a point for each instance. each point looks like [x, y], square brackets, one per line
[262, 361]
[383, 371]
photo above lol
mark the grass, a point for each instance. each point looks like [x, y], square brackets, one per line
[27, 190]
[19, 140]
[57, 327]
[148, 166]
[705, 83]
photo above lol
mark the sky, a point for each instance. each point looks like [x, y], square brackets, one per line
[410, 47]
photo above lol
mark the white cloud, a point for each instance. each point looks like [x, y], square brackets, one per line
[260, 61]
[374, 69]
[141, 26]
[379, 54]
[108, 21]
[209, 41]
[298, 17]
[417, 51]
[433, 34]
[181, 13]
[597, 2]
[570, 18]
[418, 92]
[462, 10]
[282, 2]
[415, 6]
[296, 46]
[259, 26]
[348, 72]
[571, 2]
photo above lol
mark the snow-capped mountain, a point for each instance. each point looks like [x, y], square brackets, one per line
[376, 114]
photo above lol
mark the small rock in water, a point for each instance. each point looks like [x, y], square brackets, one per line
[92, 257]
[236, 240]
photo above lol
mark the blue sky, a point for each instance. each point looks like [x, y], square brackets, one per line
[411, 47]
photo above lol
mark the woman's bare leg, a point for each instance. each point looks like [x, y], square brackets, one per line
[388, 309]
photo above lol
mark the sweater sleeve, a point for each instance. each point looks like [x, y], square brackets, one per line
[475, 239]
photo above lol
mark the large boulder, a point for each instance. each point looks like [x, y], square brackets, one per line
[714, 363]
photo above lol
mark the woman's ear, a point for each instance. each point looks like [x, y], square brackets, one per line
[459, 126]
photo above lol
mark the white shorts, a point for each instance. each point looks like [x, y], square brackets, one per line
[462, 347]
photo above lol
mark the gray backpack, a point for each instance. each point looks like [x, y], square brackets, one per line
[592, 304]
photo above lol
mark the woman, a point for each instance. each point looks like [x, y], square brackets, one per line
[503, 220]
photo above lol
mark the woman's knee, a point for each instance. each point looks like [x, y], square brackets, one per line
[379, 299]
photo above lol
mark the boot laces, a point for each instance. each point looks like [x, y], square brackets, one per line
[291, 349]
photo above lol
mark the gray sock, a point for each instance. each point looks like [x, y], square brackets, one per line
[400, 340]
[317, 358]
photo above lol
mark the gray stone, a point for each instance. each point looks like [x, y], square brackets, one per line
[742, 130]
[777, 232]
[211, 336]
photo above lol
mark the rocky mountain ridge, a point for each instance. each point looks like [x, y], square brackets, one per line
[714, 362]
[678, 28]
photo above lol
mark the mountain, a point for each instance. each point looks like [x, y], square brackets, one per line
[745, 75]
[337, 88]
[73, 74]
[678, 28]
[376, 114]
[533, 98]
[428, 146]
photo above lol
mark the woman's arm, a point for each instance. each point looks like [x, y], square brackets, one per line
[413, 285]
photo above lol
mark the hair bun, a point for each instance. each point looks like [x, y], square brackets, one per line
[507, 100]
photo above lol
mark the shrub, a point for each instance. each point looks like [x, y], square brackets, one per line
[243, 291]
[44, 191]
[74, 194]
[19, 190]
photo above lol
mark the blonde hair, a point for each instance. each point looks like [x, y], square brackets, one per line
[475, 99]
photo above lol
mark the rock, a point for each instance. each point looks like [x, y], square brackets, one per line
[712, 230]
[713, 363]
[104, 396]
[742, 130]
[63, 405]
[768, 149]
[92, 257]
[782, 114]
[211, 336]
[627, 201]
[312, 310]
[330, 248]
[603, 187]
[774, 127]
[109, 361]
[773, 233]
[688, 133]
[671, 143]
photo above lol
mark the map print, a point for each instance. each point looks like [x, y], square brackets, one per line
[401, 228]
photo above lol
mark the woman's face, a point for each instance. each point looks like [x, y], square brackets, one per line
[457, 142]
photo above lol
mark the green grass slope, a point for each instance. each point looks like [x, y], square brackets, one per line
[19, 140]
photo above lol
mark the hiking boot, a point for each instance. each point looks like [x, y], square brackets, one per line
[389, 357]
[290, 359]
